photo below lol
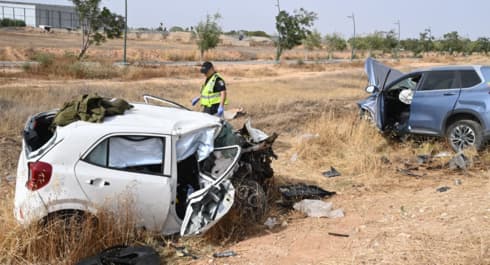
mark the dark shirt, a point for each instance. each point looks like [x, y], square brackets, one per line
[219, 85]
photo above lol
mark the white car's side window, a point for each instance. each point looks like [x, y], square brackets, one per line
[140, 154]
[98, 156]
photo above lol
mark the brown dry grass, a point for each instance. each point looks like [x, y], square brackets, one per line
[53, 243]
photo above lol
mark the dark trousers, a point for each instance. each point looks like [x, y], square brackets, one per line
[211, 110]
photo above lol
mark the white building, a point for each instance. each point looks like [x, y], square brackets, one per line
[33, 14]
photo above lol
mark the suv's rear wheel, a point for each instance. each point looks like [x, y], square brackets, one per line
[464, 134]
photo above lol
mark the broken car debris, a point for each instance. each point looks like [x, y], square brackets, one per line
[182, 251]
[271, 222]
[331, 173]
[134, 255]
[317, 208]
[443, 189]
[434, 162]
[460, 161]
[225, 254]
[295, 192]
[337, 234]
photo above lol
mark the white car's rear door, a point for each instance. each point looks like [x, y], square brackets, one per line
[129, 174]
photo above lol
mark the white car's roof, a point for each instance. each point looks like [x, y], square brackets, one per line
[154, 119]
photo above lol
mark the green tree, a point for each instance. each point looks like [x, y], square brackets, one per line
[452, 42]
[334, 42]
[426, 40]
[97, 25]
[482, 45]
[374, 42]
[312, 41]
[468, 46]
[413, 45]
[207, 33]
[361, 42]
[390, 41]
[292, 29]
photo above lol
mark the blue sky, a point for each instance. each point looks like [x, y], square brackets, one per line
[468, 17]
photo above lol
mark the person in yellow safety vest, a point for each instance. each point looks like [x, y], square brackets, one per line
[213, 91]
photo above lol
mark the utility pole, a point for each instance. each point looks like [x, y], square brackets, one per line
[125, 29]
[278, 50]
[353, 37]
[398, 45]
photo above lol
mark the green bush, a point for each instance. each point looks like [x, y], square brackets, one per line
[44, 59]
[258, 33]
[92, 71]
[26, 67]
[177, 29]
[7, 22]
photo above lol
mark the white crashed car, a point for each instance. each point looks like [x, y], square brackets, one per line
[162, 161]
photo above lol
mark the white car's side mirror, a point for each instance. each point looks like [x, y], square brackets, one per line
[371, 89]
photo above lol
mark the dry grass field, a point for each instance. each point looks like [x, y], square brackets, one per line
[391, 218]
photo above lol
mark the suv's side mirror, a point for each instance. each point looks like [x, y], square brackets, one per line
[371, 89]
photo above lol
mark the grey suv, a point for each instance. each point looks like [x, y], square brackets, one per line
[449, 101]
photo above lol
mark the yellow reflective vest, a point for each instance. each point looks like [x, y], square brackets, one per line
[208, 97]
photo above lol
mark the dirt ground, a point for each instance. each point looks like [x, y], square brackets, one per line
[390, 217]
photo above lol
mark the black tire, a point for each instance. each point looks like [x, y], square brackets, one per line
[463, 134]
[251, 200]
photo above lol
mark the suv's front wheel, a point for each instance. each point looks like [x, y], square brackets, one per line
[464, 134]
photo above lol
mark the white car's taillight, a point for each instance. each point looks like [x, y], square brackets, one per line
[39, 175]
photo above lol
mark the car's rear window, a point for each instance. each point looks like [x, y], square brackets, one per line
[469, 78]
[436, 80]
[486, 73]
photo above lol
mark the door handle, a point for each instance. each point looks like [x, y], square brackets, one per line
[449, 94]
[98, 182]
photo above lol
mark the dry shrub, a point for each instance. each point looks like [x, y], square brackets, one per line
[306, 67]
[233, 72]
[341, 139]
[67, 66]
[141, 73]
[441, 59]
[180, 55]
[65, 240]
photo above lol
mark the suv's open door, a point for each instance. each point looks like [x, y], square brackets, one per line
[379, 76]
[208, 205]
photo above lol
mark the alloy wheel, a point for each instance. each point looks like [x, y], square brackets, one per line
[462, 136]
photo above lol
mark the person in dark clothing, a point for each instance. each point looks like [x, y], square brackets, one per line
[213, 91]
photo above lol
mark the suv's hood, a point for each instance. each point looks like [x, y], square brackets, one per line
[379, 74]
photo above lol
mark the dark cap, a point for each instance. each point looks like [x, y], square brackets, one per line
[205, 67]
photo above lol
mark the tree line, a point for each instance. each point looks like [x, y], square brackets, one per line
[293, 29]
